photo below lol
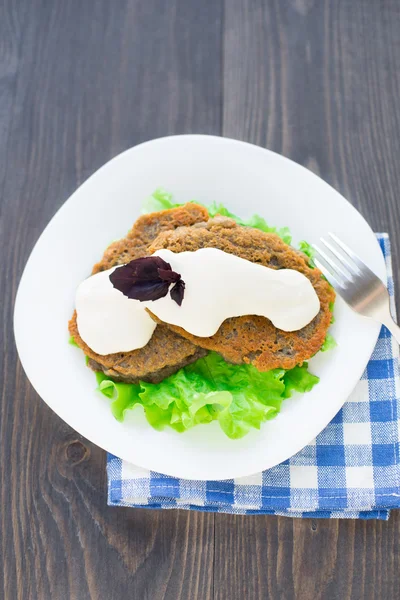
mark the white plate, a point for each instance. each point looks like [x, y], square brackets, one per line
[247, 179]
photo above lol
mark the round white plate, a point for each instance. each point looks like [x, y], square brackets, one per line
[245, 178]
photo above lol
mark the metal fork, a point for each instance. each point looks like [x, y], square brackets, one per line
[359, 287]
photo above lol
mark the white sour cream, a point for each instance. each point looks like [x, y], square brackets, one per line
[218, 286]
[107, 320]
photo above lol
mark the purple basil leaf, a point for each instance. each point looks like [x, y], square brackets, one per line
[121, 279]
[168, 275]
[146, 268]
[148, 278]
[178, 291]
[148, 290]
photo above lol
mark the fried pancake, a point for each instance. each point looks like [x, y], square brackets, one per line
[144, 232]
[254, 339]
[167, 351]
[165, 354]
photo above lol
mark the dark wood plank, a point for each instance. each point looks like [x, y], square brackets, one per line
[80, 82]
[319, 82]
[270, 557]
[11, 24]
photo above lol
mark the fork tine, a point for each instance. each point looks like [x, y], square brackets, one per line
[361, 266]
[349, 264]
[331, 278]
[337, 268]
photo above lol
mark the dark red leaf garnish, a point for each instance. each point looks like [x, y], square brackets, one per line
[168, 275]
[177, 292]
[148, 290]
[148, 278]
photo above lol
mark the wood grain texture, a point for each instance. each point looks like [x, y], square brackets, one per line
[319, 82]
[81, 81]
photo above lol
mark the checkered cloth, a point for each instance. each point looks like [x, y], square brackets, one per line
[351, 470]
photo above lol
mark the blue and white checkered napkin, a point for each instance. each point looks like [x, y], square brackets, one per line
[351, 470]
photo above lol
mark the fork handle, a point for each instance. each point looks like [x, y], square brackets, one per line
[393, 327]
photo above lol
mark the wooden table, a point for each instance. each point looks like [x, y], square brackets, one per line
[80, 81]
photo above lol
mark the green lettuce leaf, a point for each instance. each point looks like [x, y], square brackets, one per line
[159, 200]
[239, 397]
[331, 307]
[299, 380]
[329, 343]
[73, 342]
[307, 249]
[123, 395]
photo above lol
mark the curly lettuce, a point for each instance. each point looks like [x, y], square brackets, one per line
[308, 250]
[238, 397]
[329, 342]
